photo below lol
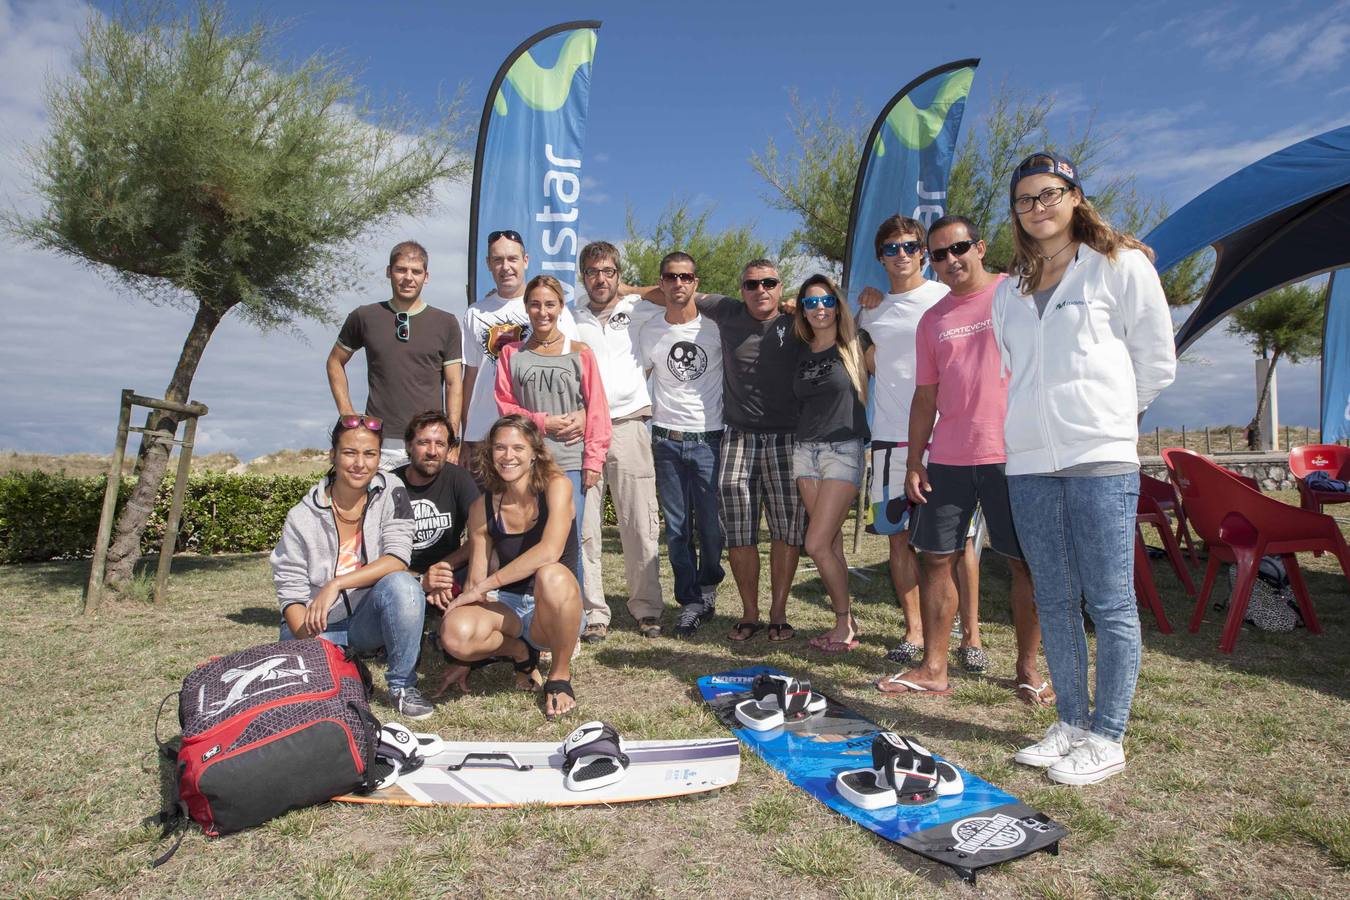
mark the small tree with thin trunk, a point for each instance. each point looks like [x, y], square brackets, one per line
[1286, 323]
[193, 169]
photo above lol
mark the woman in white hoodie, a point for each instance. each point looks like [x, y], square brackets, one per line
[1086, 338]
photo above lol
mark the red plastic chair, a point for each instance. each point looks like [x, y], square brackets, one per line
[1240, 525]
[1330, 458]
[1181, 451]
[1146, 591]
[1150, 512]
[1164, 493]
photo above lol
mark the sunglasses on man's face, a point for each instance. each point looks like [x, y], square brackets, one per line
[681, 277]
[402, 326]
[960, 248]
[910, 248]
[494, 236]
[370, 423]
[829, 301]
[754, 284]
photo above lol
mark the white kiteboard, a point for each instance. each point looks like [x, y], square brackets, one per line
[494, 774]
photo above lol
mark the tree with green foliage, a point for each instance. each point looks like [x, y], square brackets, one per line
[1286, 323]
[815, 180]
[186, 163]
[720, 256]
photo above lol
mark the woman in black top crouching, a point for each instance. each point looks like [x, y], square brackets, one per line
[530, 601]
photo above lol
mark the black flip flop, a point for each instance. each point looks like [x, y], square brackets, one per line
[776, 630]
[747, 629]
[557, 686]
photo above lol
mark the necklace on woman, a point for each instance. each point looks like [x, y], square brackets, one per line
[337, 511]
[535, 339]
[1056, 253]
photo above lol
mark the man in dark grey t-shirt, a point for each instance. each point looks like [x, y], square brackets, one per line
[413, 354]
[759, 359]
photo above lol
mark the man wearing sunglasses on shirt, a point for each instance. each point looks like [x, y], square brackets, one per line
[609, 321]
[413, 353]
[957, 412]
[490, 324]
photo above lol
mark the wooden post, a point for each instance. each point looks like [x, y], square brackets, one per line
[1208, 451]
[1183, 440]
[1157, 440]
[93, 595]
[175, 510]
[1230, 438]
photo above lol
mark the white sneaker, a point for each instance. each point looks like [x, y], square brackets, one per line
[1059, 739]
[1092, 760]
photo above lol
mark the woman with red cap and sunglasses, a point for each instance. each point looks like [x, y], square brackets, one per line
[827, 458]
[1085, 334]
[341, 566]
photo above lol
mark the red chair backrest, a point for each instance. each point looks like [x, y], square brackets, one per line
[1330, 458]
[1173, 452]
[1160, 491]
[1210, 492]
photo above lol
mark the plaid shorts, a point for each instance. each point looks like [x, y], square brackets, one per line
[756, 471]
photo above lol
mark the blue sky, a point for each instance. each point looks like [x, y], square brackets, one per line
[681, 97]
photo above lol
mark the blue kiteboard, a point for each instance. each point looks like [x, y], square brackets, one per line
[981, 826]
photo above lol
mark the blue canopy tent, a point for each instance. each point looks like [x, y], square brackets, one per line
[1280, 220]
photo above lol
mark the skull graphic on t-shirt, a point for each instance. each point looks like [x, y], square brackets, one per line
[687, 360]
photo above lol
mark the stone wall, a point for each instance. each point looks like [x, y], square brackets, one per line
[1271, 470]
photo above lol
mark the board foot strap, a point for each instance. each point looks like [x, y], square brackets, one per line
[593, 757]
[777, 700]
[903, 773]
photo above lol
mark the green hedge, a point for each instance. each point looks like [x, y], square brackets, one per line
[45, 516]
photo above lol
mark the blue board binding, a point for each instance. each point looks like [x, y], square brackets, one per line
[979, 826]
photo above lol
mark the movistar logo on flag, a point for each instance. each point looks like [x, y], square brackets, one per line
[527, 173]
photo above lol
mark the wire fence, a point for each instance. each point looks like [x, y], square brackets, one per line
[1212, 439]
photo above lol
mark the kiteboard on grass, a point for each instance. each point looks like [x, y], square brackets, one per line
[962, 821]
[516, 773]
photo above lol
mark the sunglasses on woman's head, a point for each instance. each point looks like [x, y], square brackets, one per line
[910, 248]
[829, 301]
[370, 423]
[960, 248]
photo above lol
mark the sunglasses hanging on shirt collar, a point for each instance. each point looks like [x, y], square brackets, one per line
[402, 326]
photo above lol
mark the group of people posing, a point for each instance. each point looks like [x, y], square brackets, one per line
[1012, 397]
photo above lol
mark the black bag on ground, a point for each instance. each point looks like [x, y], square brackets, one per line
[271, 729]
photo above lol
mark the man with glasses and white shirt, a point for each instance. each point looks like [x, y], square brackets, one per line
[609, 321]
[493, 322]
[413, 353]
[682, 352]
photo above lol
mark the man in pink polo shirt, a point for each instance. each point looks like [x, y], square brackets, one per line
[959, 375]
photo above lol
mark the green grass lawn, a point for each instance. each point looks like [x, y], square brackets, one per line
[1237, 786]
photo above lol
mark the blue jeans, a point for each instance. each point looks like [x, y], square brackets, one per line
[1077, 535]
[578, 514]
[389, 616]
[686, 483]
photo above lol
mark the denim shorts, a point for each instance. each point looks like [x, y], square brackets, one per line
[839, 460]
[523, 606]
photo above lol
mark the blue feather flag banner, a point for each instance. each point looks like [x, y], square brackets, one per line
[527, 168]
[905, 164]
[1336, 360]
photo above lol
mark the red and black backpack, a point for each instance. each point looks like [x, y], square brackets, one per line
[271, 729]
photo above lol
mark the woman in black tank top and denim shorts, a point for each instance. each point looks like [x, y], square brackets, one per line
[530, 601]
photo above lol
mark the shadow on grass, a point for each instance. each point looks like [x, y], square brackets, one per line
[74, 573]
[256, 615]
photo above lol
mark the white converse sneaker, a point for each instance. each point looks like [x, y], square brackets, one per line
[1059, 739]
[1091, 760]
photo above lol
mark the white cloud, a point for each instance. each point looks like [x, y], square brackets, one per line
[1289, 44]
[75, 341]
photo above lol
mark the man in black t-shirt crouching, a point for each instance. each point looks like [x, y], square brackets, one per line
[441, 493]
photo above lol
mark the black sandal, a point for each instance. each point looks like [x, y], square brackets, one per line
[529, 666]
[776, 630]
[557, 686]
[744, 631]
